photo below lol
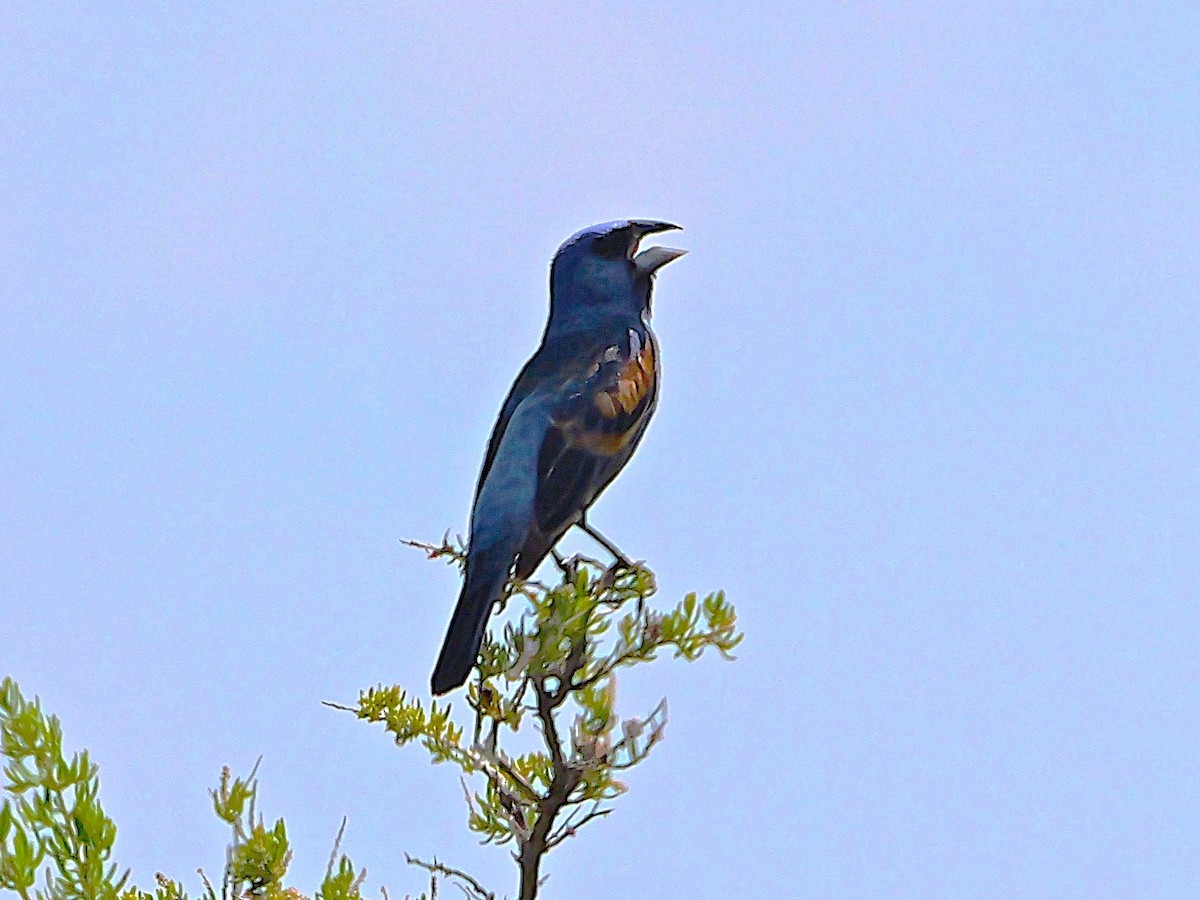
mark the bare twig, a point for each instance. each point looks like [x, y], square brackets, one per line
[337, 846]
[444, 550]
[212, 892]
[437, 868]
[571, 825]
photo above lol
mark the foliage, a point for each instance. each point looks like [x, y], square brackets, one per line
[52, 825]
[54, 815]
[546, 749]
[556, 667]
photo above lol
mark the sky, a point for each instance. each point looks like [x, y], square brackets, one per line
[928, 416]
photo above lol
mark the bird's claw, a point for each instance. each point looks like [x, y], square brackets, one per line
[619, 565]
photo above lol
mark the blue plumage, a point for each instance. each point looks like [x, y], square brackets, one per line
[570, 422]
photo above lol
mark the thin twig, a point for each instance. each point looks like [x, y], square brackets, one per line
[457, 555]
[570, 827]
[212, 892]
[492, 755]
[438, 868]
[337, 845]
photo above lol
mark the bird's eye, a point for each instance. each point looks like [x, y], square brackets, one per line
[611, 246]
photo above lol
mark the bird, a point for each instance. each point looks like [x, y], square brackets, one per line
[570, 423]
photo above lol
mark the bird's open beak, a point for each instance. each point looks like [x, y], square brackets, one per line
[652, 259]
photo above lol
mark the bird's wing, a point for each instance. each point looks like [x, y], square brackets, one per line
[594, 428]
[501, 520]
[527, 381]
[566, 366]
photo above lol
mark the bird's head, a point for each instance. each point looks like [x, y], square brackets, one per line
[604, 266]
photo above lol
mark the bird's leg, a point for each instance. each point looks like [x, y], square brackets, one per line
[619, 558]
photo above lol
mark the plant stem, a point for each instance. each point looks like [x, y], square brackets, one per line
[562, 783]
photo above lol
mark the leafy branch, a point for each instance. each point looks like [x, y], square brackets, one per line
[53, 826]
[554, 669]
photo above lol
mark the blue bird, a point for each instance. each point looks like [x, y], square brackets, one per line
[571, 421]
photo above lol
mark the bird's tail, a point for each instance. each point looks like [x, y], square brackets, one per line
[482, 588]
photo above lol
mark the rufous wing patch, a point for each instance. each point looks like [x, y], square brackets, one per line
[606, 404]
[634, 380]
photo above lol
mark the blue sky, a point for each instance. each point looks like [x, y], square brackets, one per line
[929, 416]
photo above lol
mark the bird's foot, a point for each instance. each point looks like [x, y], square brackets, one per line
[619, 565]
[619, 559]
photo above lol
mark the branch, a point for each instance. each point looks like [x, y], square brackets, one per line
[437, 868]
[563, 782]
[557, 658]
[571, 825]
